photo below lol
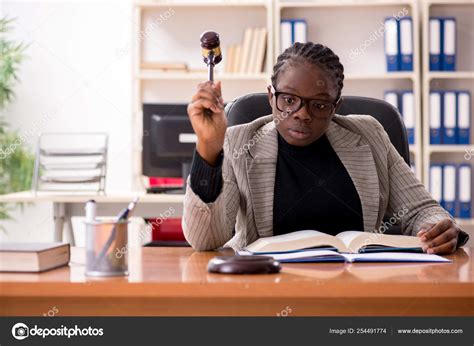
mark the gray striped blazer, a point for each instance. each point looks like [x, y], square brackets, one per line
[385, 184]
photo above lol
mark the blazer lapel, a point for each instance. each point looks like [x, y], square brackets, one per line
[359, 162]
[261, 170]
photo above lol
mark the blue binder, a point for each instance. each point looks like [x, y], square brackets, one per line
[406, 44]
[435, 41]
[464, 192]
[464, 117]
[448, 60]
[392, 44]
[436, 116]
[449, 188]
[408, 111]
[449, 118]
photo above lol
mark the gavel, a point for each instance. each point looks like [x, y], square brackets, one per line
[212, 55]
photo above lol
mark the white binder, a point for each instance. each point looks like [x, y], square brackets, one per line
[392, 98]
[285, 34]
[436, 182]
[449, 117]
[449, 188]
[300, 31]
[408, 109]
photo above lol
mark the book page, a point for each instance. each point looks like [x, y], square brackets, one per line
[348, 238]
[298, 255]
[295, 241]
[357, 240]
[394, 257]
[294, 236]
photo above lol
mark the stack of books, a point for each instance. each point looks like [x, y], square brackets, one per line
[248, 56]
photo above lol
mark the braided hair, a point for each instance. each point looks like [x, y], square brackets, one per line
[315, 54]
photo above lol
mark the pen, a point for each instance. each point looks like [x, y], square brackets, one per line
[123, 216]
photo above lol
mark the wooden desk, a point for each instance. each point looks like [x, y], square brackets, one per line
[67, 205]
[174, 281]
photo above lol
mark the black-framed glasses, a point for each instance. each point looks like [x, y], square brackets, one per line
[290, 103]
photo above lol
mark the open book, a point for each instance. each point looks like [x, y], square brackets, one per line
[348, 242]
[333, 256]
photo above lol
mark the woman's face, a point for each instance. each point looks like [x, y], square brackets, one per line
[309, 82]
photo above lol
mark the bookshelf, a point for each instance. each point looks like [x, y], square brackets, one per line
[176, 39]
[462, 79]
[355, 19]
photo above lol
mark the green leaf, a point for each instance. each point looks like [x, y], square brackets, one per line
[16, 161]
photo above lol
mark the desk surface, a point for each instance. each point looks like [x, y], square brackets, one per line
[112, 197]
[174, 281]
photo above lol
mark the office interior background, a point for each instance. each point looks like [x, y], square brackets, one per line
[89, 66]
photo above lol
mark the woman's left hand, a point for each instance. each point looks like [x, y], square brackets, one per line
[439, 238]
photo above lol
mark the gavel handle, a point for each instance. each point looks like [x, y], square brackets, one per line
[210, 77]
[210, 72]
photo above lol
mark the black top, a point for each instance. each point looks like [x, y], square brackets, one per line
[313, 190]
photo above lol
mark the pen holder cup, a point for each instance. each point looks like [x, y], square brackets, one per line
[106, 248]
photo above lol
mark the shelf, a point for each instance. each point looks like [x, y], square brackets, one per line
[465, 222]
[158, 75]
[450, 75]
[386, 75]
[459, 148]
[362, 79]
[156, 4]
[449, 2]
[332, 3]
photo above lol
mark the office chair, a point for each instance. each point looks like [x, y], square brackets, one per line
[249, 107]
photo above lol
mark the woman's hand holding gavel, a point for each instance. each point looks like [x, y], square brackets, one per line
[206, 113]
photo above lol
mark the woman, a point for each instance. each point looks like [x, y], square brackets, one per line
[303, 167]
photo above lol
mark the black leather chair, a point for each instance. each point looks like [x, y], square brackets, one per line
[249, 107]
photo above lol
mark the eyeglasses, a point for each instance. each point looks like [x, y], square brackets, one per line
[290, 103]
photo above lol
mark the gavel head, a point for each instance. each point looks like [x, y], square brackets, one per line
[211, 50]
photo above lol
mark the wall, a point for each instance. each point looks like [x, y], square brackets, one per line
[77, 77]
